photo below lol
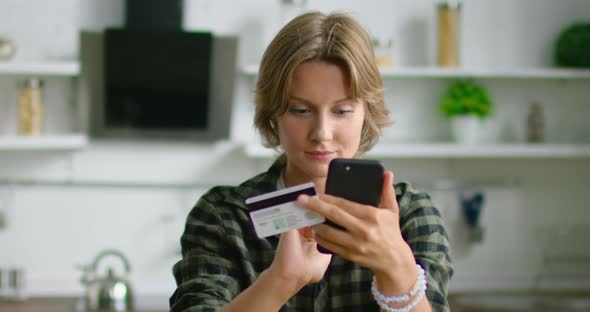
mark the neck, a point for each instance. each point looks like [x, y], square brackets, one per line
[289, 180]
[320, 185]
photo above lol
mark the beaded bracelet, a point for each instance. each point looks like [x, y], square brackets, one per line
[419, 288]
[385, 307]
[379, 297]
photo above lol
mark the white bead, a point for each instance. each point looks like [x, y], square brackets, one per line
[419, 289]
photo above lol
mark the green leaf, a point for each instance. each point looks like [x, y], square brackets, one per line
[465, 97]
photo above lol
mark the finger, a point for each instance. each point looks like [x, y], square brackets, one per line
[343, 243]
[288, 238]
[306, 233]
[332, 234]
[335, 246]
[388, 199]
[332, 212]
[355, 209]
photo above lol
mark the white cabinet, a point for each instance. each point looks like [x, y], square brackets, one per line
[43, 143]
[45, 69]
[60, 101]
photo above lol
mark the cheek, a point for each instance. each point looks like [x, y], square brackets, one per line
[352, 133]
[289, 131]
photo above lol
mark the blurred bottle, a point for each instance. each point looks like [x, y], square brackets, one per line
[448, 15]
[12, 284]
[30, 108]
[535, 131]
[7, 49]
[290, 9]
[383, 51]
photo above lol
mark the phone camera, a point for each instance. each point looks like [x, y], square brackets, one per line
[347, 168]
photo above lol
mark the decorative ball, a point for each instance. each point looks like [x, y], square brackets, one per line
[573, 46]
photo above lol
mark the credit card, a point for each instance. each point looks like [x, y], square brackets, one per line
[276, 212]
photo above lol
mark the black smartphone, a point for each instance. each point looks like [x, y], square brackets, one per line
[358, 180]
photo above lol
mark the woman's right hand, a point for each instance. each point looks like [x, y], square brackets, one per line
[297, 261]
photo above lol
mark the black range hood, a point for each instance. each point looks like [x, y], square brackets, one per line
[157, 77]
[153, 14]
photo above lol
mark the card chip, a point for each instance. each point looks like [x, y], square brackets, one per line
[280, 223]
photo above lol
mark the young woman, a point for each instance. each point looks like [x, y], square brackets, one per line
[318, 97]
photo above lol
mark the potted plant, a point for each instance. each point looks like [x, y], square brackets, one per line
[466, 104]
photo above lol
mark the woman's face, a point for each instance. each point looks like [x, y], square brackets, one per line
[322, 121]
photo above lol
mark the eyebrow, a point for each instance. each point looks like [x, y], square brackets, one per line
[309, 102]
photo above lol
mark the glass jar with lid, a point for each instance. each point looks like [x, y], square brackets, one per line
[448, 21]
[30, 108]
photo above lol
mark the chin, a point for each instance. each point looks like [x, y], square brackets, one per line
[320, 170]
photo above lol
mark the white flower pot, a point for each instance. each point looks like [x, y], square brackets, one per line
[467, 129]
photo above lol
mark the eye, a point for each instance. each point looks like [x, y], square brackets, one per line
[343, 111]
[299, 110]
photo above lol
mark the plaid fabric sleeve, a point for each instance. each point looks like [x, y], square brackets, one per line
[207, 277]
[423, 229]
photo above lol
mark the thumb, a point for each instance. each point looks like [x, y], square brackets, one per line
[288, 238]
[388, 200]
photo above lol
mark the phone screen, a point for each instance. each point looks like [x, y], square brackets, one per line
[358, 180]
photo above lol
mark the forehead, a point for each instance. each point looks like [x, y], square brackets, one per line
[319, 78]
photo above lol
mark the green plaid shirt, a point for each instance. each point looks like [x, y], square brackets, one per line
[222, 256]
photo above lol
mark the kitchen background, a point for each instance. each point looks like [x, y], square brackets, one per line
[66, 197]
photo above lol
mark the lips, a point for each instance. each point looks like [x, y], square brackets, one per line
[320, 155]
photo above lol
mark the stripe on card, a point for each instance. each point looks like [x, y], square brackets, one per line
[267, 201]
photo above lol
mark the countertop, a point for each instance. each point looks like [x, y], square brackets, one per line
[49, 304]
[68, 304]
[521, 301]
[460, 302]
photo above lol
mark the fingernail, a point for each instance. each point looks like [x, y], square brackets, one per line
[303, 198]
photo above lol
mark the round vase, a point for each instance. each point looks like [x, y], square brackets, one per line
[467, 129]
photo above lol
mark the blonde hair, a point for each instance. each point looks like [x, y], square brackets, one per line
[337, 38]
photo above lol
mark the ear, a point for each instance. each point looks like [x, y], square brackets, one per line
[272, 125]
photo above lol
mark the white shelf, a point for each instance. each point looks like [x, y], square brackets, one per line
[64, 69]
[43, 143]
[450, 150]
[518, 73]
[434, 72]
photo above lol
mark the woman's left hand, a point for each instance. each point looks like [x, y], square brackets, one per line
[372, 237]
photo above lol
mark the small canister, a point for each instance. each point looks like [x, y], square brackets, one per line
[7, 49]
[16, 282]
[12, 284]
[30, 108]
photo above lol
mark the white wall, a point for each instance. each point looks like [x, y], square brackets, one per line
[51, 229]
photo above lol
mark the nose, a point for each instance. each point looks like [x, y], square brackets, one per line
[322, 129]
